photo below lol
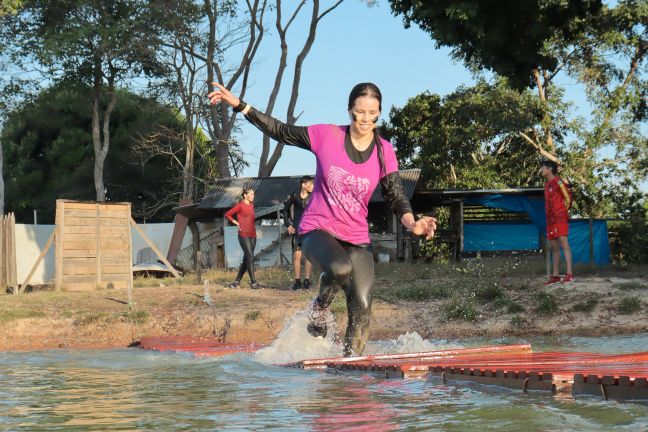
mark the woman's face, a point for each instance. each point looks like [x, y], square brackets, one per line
[364, 114]
[249, 195]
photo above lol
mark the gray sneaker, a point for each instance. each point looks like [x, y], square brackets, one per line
[257, 285]
[318, 318]
[234, 284]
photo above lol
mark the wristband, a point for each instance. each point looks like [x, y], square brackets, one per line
[240, 107]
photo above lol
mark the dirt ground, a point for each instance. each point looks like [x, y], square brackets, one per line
[436, 302]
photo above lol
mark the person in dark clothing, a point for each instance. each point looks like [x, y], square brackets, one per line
[244, 212]
[351, 161]
[294, 207]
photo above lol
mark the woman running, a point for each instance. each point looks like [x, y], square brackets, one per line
[244, 212]
[351, 161]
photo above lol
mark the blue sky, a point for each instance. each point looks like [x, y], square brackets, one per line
[356, 43]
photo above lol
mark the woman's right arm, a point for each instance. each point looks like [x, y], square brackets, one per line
[275, 129]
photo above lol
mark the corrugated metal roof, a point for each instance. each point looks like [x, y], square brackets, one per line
[270, 191]
[409, 178]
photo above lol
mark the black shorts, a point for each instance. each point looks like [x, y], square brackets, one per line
[295, 242]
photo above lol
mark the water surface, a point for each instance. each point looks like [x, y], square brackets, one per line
[131, 389]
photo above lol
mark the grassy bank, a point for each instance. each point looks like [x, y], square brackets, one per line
[490, 297]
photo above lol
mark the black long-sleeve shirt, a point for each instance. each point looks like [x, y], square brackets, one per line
[298, 205]
[392, 186]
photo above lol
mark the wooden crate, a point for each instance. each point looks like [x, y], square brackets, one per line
[93, 245]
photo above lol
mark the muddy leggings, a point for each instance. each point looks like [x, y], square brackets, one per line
[351, 268]
[247, 244]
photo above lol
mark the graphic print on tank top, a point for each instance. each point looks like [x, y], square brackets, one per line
[347, 190]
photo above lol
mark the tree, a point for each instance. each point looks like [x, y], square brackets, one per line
[468, 139]
[8, 87]
[609, 59]
[96, 43]
[505, 36]
[9, 7]
[534, 42]
[230, 30]
[49, 154]
[182, 86]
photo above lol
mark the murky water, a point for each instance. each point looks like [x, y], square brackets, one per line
[131, 389]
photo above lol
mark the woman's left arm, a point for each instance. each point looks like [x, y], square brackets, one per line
[399, 203]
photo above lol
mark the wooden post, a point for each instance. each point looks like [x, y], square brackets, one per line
[130, 246]
[548, 257]
[98, 242]
[460, 218]
[3, 257]
[224, 251]
[591, 240]
[279, 237]
[11, 251]
[130, 293]
[195, 234]
[60, 208]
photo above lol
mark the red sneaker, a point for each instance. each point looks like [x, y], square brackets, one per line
[553, 280]
[569, 278]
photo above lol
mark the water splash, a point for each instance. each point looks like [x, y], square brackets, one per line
[294, 343]
[409, 342]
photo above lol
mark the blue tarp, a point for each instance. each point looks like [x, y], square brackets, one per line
[500, 237]
[504, 236]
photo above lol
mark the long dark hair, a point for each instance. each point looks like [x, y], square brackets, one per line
[370, 90]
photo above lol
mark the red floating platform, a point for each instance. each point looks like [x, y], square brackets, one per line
[611, 376]
[200, 347]
[617, 376]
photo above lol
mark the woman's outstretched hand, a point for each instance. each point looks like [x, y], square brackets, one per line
[425, 226]
[221, 94]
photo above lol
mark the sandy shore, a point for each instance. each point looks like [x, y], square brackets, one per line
[592, 306]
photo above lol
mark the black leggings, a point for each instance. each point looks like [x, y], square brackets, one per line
[247, 244]
[346, 266]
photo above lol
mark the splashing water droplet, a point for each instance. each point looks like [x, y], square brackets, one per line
[294, 343]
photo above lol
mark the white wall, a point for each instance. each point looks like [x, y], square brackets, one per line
[265, 236]
[31, 239]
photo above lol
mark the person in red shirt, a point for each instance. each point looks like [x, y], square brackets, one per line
[558, 201]
[244, 212]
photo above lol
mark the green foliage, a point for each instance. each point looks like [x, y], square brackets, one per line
[338, 306]
[519, 322]
[9, 6]
[468, 139]
[510, 305]
[48, 153]
[252, 315]
[416, 291]
[458, 309]
[629, 305]
[488, 291]
[19, 313]
[629, 238]
[505, 36]
[90, 41]
[630, 286]
[546, 304]
[136, 316]
[586, 306]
